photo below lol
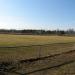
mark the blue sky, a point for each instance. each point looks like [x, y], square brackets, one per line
[37, 14]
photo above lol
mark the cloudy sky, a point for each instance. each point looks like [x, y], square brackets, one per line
[37, 14]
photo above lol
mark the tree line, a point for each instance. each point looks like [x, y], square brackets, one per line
[38, 32]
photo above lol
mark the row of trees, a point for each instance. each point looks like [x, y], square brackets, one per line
[39, 32]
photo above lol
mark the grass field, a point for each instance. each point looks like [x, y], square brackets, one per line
[68, 69]
[18, 47]
[57, 44]
[20, 40]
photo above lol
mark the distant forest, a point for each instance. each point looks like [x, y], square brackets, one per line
[38, 32]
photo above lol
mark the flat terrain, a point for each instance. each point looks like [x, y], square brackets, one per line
[58, 64]
[16, 48]
[20, 40]
[12, 47]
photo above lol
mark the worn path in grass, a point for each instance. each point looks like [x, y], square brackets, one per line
[35, 66]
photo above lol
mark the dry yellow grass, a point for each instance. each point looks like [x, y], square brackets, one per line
[19, 40]
[57, 44]
[33, 51]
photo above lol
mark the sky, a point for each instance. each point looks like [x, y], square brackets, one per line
[37, 14]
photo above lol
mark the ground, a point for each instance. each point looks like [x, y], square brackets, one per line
[22, 47]
[20, 40]
[11, 46]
